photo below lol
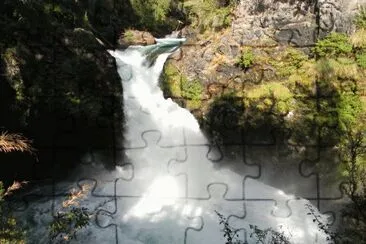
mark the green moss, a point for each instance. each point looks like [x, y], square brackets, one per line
[128, 36]
[193, 104]
[192, 90]
[171, 81]
[334, 45]
[270, 96]
[176, 85]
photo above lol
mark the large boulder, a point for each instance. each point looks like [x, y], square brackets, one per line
[136, 37]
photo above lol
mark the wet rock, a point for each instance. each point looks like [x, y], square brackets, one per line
[177, 55]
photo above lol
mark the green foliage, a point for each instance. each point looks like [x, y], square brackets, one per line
[333, 45]
[288, 61]
[361, 60]
[128, 36]
[171, 80]
[177, 85]
[74, 78]
[66, 224]
[208, 15]
[360, 18]
[266, 236]
[270, 97]
[230, 234]
[151, 13]
[11, 61]
[246, 59]
[302, 81]
[192, 89]
[10, 231]
[349, 108]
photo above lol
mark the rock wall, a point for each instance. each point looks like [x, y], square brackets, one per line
[266, 26]
[288, 21]
[262, 22]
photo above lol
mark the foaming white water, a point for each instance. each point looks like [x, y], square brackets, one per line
[145, 107]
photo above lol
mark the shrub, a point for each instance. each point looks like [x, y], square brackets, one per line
[66, 224]
[151, 13]
[258, 235]
[246, 59]
[334, 45]
[288, 61]
[208, 14]
[360, 18]
[270, 96]
[361, 60]
[192, 90]
[70, 219]
[10, 232]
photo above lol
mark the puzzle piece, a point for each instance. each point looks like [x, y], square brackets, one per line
[274, 164]
[322, 165]
[149, 219]
[139, 121]
[149, 164]
[257, 214]
[205, 165]
[211, 231]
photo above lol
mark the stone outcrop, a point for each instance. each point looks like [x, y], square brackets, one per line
[297, 22]
[266, 26]
[262, 23]
[136, 37]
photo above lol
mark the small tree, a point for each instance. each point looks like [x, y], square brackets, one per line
[246, 59]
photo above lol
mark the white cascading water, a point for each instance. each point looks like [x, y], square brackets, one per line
[177, 174]
[173, 181]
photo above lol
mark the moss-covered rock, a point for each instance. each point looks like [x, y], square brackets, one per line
[61, 85]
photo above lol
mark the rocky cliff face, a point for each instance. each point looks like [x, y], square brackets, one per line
[266, 26]
[287, 21]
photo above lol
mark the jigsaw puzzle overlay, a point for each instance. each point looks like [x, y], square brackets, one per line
[170, 179]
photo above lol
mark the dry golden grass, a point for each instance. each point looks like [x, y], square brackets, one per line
[75, 196]
[218, 59]
[358, 39]
[14, 187]
[10, 142]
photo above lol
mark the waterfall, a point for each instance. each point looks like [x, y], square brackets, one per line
[182, 178]
[172, 179]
